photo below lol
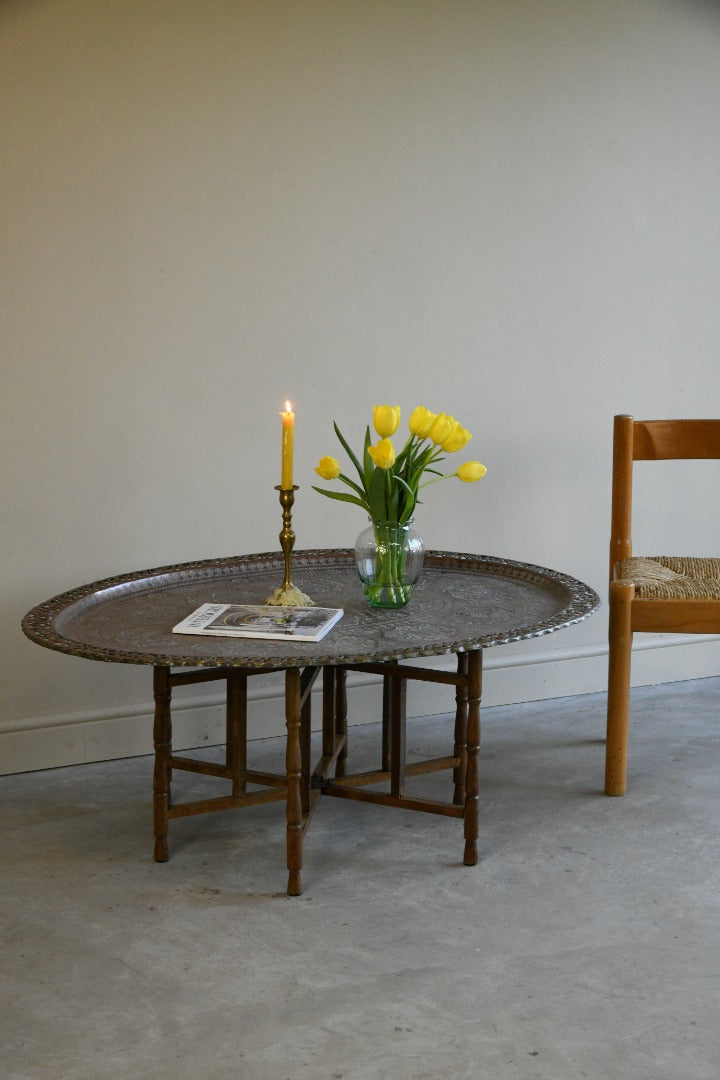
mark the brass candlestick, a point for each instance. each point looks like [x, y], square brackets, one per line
[287, 594]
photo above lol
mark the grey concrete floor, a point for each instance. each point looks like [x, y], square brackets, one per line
[585, 943]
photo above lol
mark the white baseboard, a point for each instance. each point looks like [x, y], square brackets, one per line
[510, 677]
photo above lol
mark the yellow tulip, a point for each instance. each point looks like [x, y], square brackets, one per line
[328, 468]
[420, 422]
[456, 440]
[441, 428]
[383, 455]
[471, 471]
[386, 419]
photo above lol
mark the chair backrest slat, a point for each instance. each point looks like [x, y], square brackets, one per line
[661, 440]
[650, 440]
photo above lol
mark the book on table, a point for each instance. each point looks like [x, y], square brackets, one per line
[260, 621]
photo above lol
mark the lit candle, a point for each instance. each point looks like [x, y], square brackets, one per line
[288, 442]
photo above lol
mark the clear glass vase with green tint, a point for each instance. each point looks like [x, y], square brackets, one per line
[389, 558]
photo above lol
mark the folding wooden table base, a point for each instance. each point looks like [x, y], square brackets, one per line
[301, 786]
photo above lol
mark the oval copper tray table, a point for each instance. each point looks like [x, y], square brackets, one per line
[462, 604]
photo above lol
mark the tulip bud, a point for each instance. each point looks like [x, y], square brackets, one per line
[456, 440]
[441, 428]
[471, 471]
[386, 419]
[328, 468]
[383, 455]
[420, 422]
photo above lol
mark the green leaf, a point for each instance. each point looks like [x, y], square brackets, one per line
[351, 483]
[405, 454]
[367, 460]
[410, 490]
[341, 496]
[345, 445]
[376, 496]
[407, 497]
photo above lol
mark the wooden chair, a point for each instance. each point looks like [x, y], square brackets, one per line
[657, 594]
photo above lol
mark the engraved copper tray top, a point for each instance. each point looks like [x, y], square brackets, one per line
[461, 602]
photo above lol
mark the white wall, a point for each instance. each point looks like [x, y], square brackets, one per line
[508, 211]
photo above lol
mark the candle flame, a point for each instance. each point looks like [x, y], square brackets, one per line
[288, 406]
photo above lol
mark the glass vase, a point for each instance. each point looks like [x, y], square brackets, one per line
[389, 559]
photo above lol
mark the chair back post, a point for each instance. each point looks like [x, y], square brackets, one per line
[622, 477]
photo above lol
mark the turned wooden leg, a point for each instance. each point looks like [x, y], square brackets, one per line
[398, 695]
[341, 717]
[472, 785]
[460, 750]
[162, 740]
[293, 773]
[328, 714]
[305, 750]
[236, 730]
[386, 721]
[620, 638]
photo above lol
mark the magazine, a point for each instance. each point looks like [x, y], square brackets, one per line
[248, 620]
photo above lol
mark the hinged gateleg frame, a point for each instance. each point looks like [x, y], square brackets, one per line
[301, 785]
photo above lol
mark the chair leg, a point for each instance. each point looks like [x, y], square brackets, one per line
[618, 700]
